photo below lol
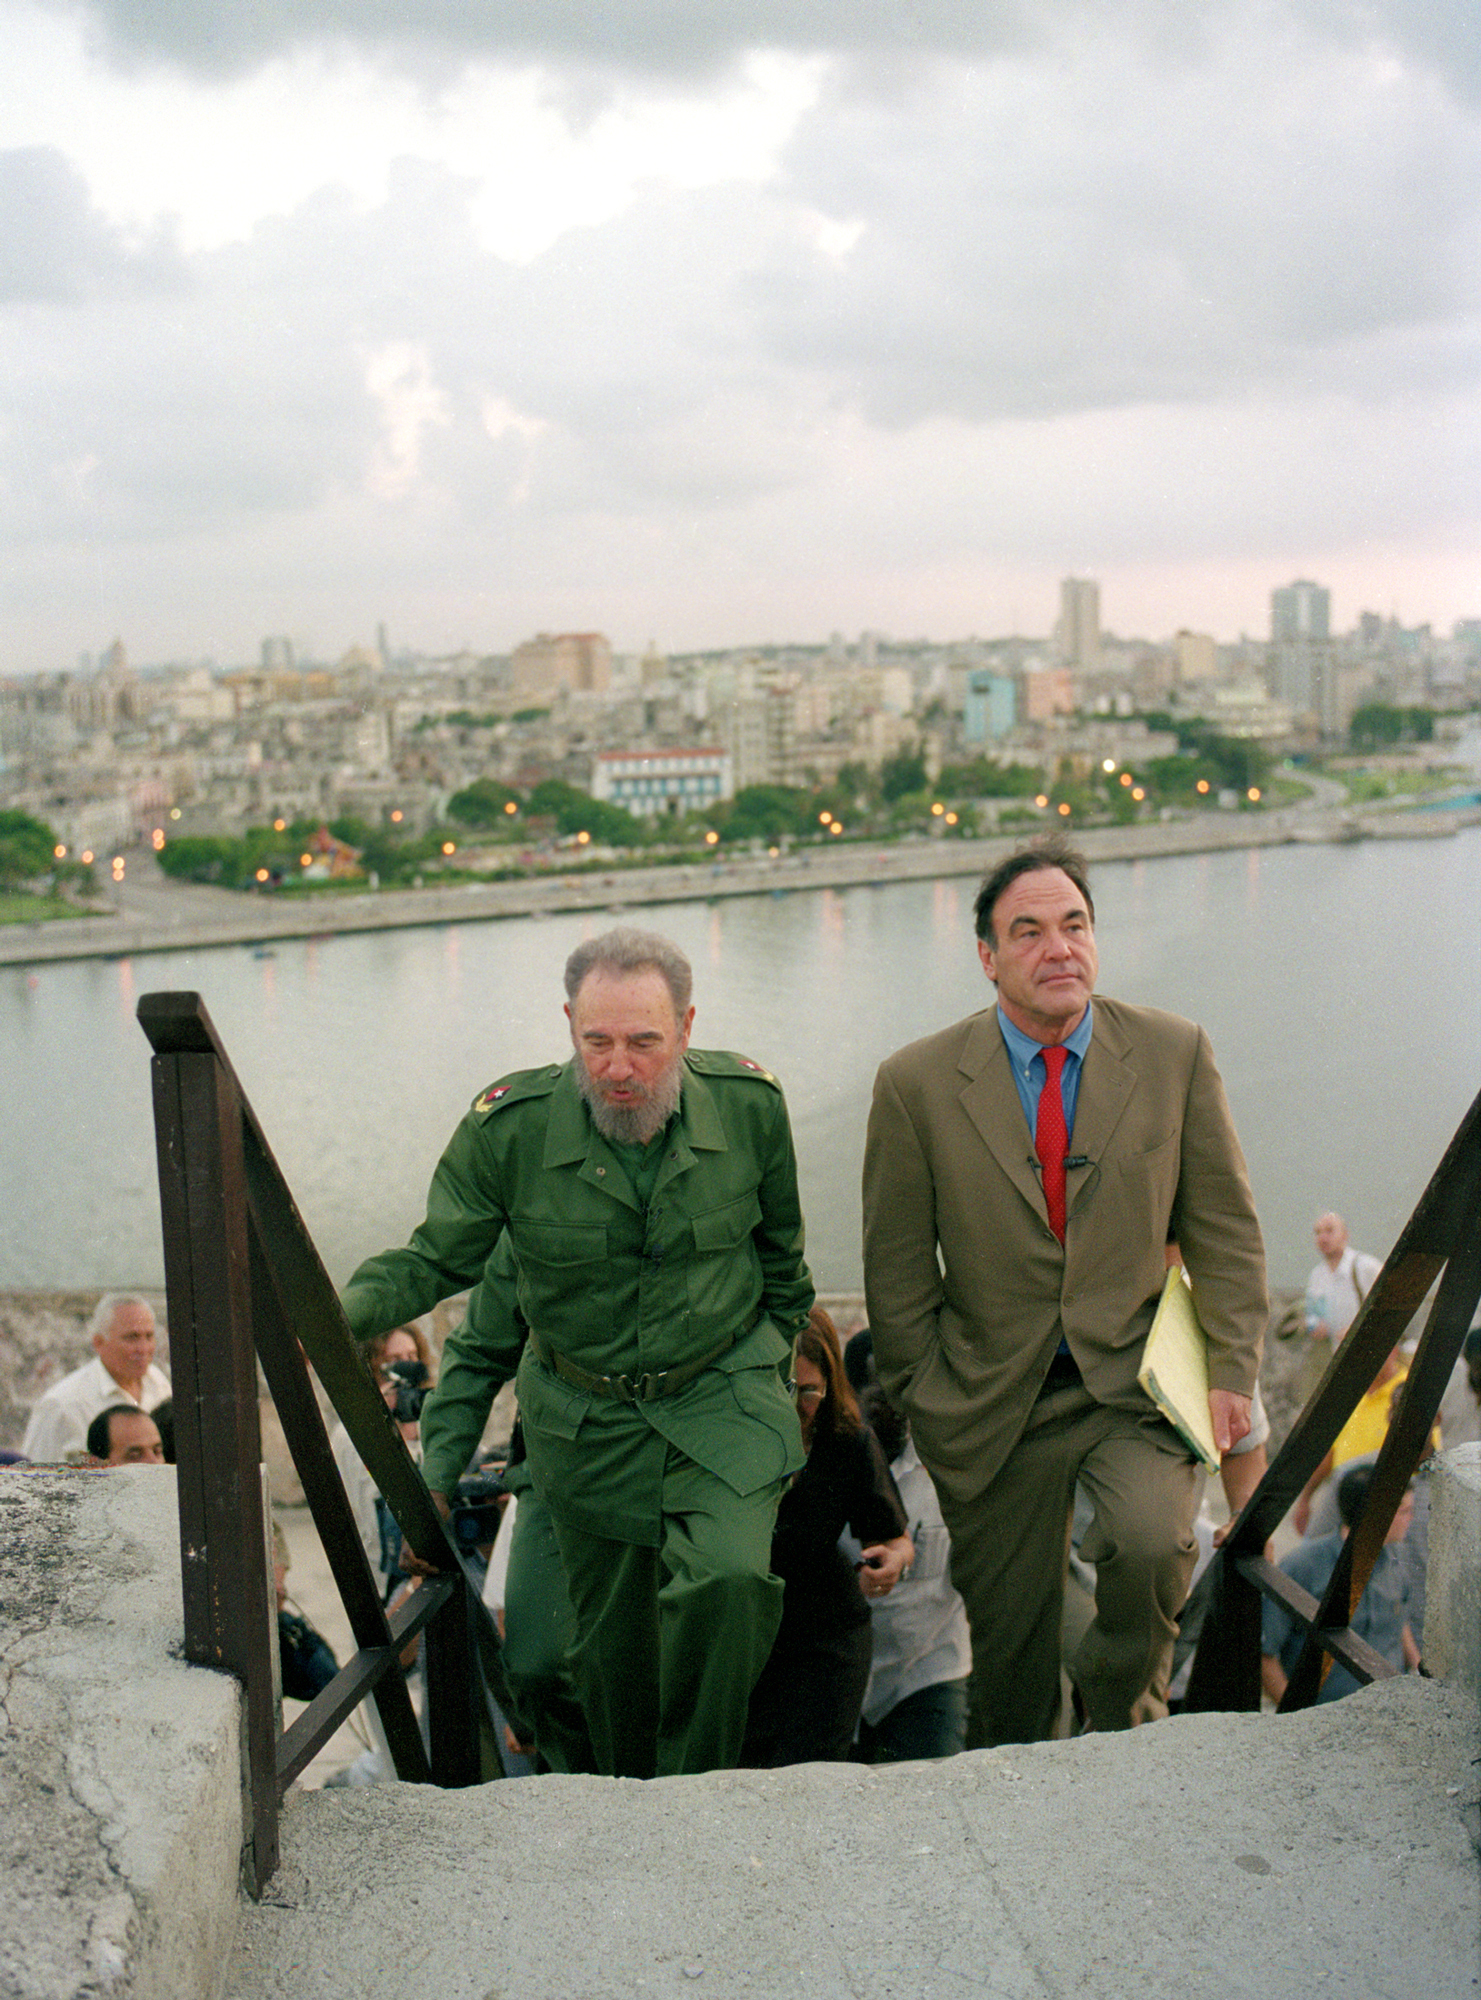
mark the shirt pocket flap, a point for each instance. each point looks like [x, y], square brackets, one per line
[560, 1242]
[722, 1228]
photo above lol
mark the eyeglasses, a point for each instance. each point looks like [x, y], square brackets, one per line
[810, 1395]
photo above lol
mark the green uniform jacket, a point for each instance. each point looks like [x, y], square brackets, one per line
[615, 1287]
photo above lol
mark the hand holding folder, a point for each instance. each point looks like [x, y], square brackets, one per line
[1174, 1370]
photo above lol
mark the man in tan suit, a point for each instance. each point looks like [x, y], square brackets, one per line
[1014, 1351]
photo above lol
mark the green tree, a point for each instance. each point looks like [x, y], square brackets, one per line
[483, 803]
[901, 775]
[1379, 725]
[27, 848]
[575, 811]
[984, 779]
[766, 812]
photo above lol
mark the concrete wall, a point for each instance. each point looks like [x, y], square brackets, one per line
[120, 1789]
[1452, 1618]
[120, 1766]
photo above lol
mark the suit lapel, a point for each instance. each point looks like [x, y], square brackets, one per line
[1107, 1080]
[990, 1099]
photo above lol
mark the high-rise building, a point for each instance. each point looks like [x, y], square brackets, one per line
[1301, 611]
[580, 661]
[1194, 653]
[1077, 634]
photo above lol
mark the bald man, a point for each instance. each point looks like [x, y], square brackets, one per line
[1339, 1284]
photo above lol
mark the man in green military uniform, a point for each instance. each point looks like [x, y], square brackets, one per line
[649, 1192]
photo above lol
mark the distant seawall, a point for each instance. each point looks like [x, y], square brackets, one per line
[203, 920]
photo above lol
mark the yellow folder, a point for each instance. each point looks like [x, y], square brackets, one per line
[1174, 1370]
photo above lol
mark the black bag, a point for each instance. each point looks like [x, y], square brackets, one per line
[307, 1659]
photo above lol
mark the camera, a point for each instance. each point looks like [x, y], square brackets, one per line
[474, 1520]
[410, 1379]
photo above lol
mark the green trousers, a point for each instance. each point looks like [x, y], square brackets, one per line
[671, 1640]
[539, 1634]
[1009, 1549]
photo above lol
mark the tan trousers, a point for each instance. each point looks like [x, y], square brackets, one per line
[1008, 1557]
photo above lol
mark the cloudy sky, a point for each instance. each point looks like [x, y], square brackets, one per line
[710, 323]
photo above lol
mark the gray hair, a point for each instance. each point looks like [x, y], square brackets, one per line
[624, 951]
[108, 1305]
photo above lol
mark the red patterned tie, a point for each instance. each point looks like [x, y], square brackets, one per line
[1051, 1141]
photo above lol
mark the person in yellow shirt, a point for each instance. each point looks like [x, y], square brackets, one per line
[1360, 1439]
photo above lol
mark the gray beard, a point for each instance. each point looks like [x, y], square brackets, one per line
[633, 1124]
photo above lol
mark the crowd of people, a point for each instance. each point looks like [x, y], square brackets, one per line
[735, 1539]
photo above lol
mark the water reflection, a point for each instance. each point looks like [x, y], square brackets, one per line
[361, 1053]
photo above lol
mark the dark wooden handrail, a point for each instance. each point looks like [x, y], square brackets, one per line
[1442, 1239]
[244, 1284]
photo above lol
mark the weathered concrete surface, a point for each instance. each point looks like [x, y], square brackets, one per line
[120, 1785]
[1212, 1855]
[1452, 1628]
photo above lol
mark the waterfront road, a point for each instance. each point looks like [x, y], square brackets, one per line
[151, 913]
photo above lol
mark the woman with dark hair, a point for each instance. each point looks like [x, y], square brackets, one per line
[805, 1707]
[404, 1346]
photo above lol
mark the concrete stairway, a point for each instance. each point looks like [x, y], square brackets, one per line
[1328, 1853]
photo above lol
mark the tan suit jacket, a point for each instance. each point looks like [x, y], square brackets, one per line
[964, 1342]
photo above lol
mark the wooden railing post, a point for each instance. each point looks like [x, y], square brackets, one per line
[244, 1281]
[1441, 1239]
[226, 1576]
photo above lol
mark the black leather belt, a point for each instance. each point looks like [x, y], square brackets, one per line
[633, 1388]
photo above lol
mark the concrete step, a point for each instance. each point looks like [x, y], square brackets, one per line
[1333, 1852]
[1326, 1853]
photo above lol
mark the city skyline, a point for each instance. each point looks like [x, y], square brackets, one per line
[738, 330]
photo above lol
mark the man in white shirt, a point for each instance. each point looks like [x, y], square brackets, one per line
[1339, 1284]
[122, 1331]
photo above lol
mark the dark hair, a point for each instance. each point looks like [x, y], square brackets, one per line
[887, 1423]
[838, 1413]
[1053, 851]
[1352, 1491]
[858, 1361]
[100, 1430]
[164, 1422]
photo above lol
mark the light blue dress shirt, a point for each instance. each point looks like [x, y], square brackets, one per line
[1027, 1059]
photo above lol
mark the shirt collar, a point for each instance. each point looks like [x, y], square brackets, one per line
[1023, 1048]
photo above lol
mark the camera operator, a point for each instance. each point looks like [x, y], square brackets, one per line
[401, 1362]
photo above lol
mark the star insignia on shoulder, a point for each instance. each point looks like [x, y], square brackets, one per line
[491, 1097]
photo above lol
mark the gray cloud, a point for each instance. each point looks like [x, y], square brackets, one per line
[686, 37]
[1051, 241]
[1186, 295]
[55, 247]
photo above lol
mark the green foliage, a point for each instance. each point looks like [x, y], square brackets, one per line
[575, 811]
[901, 775]
[27, 848]
[482, 803]
[767, 812]
[200, 857]
[983, 779]
[354, 832]
[1377, 725]
[853, 785]
[1228, 763]
[529, 715]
